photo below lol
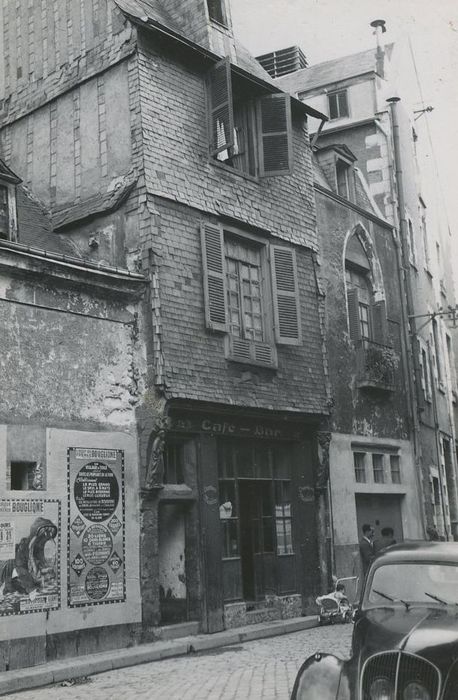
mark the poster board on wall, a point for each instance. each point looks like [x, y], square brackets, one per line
[96, 526]
[30, 531]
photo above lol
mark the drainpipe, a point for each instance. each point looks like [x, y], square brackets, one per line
[407, 307]
[438, 445]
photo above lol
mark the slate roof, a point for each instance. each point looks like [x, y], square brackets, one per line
[35, 228]
[333, 71]
[153, 11]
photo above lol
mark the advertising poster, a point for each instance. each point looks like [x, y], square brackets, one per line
[29, 555]
[96, 509]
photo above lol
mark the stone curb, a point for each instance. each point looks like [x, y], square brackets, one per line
[58, 671]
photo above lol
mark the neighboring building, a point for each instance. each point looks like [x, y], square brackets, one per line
[372, 473]
[70, 359]
[105, 115]
[391, 143]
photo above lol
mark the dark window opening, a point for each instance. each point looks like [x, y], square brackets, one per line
[24, 476]
[4, 214]
[359, 280]
[436, 491]
[395, 467]
[174, 463]
[217, 11]
[338, 104]
[343, 178]
[378, 469]
[249, 132]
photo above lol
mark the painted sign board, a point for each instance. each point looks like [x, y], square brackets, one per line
[29, 555]
[96, 526]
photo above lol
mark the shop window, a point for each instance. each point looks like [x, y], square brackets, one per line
[253, 136]
[239, 288]
[229, 518]
[359, 462]
[338, 104]
[26, 476]
[283, 517]
[378, 469]
[217, 11]
[395, 469]
[174, 463]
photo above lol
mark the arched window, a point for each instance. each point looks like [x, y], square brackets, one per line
[366, 310]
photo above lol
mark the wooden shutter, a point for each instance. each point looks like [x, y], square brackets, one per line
[221, 107]
[214, 273]
[274, 134]
[379, 323]
[286, 295]
[354, 323]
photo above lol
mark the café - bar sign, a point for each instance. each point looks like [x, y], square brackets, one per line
[235, 427]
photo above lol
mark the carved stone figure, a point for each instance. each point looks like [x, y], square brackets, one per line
[155, 471]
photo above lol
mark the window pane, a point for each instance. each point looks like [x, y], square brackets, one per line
[343, 105]
[333, 111]
[245, 460]
[268, 535]
[282, 466]
[227, 499]
[395, 467]
[377, 466]
[230, 538]
[360, 466]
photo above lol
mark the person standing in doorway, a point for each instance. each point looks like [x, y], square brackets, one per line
[387, 538]
[366, 547]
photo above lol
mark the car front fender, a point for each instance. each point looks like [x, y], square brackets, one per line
[322, 677]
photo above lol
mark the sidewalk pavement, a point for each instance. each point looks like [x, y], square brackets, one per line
[58, 671]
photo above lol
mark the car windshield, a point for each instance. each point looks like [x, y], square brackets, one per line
[414, 582]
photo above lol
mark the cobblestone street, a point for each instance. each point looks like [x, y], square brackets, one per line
[263, 669]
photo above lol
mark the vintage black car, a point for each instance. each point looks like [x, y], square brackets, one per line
[405, 638]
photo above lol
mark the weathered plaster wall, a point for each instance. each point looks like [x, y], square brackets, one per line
[344, 488]
[355, 410]
[65, 368]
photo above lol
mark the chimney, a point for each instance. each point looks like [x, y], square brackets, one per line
[282, 62]
[380, 28]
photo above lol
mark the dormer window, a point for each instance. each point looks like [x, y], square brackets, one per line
[248, 133]
[217, 11]
[343, 178]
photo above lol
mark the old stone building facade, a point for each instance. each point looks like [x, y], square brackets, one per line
[370, 98]
[371, 458]
[162, 153]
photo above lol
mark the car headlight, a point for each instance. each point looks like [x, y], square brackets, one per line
[381, 689]
[416, 691]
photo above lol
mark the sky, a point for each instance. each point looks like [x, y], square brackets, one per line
[327, 29]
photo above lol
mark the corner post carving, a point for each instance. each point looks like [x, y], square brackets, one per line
[155, 470]
[322, 476]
